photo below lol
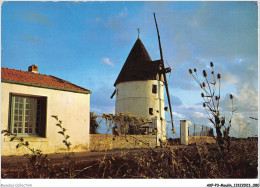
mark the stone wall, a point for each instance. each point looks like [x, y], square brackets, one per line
[100, 142]
[199, 140]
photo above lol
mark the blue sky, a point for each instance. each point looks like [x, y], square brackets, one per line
[87, 44]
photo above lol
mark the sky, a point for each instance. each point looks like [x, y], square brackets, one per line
[87, 44]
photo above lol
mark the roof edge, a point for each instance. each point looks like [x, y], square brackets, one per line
[46, 87]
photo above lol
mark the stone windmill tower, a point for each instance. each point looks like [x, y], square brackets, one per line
[140, 88]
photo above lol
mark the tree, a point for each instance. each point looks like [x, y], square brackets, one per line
[211, 97]
[94, 126]
[125, 122]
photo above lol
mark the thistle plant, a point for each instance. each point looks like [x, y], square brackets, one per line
[211, 96]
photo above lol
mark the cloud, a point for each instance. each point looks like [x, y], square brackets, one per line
[178, 116]
[248, 99]
[94, 21]
[105, 109]
[32, 39]
[235, 56]
[194, 114]
[98, 19]
[229, 78]
[107, 61]
[226, 30]
[175, 101]
[100, 100]
[117, 23]
[123, 28]
[123, 13]
[209, 31]
[243, 127]
[36, 18]
[198, 114]
[246, 95]
[180, 77]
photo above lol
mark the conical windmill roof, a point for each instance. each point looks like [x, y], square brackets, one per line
[138, 65]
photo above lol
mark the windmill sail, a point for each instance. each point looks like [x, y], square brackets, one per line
[164, 74]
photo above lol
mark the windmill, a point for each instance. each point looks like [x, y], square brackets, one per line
[140, 87]
[164, 71]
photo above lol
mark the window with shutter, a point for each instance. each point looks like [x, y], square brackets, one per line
[28, 115]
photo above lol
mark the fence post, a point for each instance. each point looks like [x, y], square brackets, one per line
[184, 132]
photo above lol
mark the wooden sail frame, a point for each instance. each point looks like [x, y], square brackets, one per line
[164, 74]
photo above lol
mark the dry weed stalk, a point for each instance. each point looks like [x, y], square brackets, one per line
[211, 96]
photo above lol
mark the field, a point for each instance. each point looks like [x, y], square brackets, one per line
[193, 161]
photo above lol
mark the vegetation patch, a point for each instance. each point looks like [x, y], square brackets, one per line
[194, 161]
[200, 140]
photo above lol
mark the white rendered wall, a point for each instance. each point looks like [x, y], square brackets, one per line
[72, 108]
[137, 97]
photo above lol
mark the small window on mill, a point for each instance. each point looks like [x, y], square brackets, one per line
[154, 90]
[151, 111]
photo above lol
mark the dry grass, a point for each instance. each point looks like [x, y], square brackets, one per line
[200, 140]
[204, 161]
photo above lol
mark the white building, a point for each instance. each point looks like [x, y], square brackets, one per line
[29, 99]
[139, 90]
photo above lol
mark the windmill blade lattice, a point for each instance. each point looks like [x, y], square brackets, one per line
[164, 71]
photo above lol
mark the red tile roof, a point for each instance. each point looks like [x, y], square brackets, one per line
[39, 80]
